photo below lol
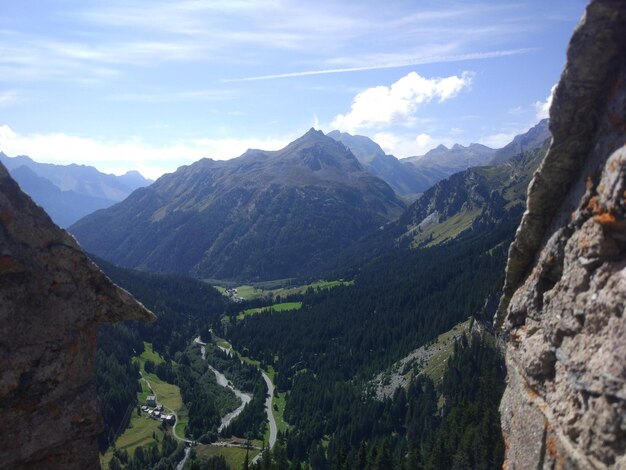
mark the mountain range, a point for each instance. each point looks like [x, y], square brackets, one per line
[410, 177]
[69, 192]
[303, 210]
[263, 215]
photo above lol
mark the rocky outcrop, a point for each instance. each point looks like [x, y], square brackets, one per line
[51, 299]
[563, 313]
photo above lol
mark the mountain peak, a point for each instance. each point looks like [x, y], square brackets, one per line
[314, 132]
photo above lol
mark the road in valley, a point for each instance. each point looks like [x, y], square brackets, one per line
[269, 410]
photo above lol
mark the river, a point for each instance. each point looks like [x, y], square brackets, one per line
[244, 397]
[224, 382]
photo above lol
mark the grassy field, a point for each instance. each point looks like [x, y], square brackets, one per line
[234, 456]
[140, 432]
[314, 285]
[273, 289]
[142, 429]
[250, 292]
[282, 307]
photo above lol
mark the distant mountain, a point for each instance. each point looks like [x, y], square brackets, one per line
[82, 179]
[64, 207]
[534, 138]
[441, 162]
[69, 192]
[264, 215]
[405, 179]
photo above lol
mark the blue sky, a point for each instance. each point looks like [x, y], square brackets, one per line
[152, 85]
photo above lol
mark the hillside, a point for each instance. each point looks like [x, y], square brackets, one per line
[264, 215]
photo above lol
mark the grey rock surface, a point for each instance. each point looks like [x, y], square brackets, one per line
[51, 299]
[563, 313]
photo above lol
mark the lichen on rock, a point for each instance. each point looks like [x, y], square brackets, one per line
[563, 313]
[51, 299]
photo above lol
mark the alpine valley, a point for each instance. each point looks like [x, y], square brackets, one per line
[368, 317]
[324, 305]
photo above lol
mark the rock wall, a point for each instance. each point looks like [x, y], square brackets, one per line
[51, 299]
[562, 317]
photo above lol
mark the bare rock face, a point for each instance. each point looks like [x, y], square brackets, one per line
[563, 312]
[51, 299]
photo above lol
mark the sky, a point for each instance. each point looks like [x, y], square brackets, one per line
[153, 85]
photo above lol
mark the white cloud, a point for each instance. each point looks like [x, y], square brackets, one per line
[382, 106]
[131, 154]
[423, 140]
[542, 108]
[402, 146]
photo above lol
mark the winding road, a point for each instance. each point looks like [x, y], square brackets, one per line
[269, 410]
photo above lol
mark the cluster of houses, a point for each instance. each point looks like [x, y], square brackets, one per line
[232, 295]
[155, 411]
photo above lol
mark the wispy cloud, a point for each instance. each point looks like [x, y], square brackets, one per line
[409, 62]
[173, 97]
[120, 36]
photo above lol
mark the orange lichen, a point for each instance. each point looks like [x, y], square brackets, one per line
[551, 447]
[607, 219]
[532, 394]
[595, 206]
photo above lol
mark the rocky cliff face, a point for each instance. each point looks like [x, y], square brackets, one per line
[563, 312]
[51, 299]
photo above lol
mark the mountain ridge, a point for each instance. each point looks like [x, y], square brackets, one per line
[264, 215]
